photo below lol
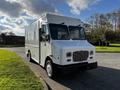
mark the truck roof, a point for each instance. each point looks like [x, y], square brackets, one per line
[59, 19]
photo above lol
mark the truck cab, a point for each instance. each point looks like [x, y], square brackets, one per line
[62, 45]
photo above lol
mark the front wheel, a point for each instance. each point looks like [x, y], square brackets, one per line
[49, 68]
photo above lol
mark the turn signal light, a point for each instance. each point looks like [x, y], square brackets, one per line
[69, 54]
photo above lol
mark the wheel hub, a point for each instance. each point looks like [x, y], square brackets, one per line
[49, 70]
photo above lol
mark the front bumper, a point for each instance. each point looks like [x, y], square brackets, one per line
[80, 66]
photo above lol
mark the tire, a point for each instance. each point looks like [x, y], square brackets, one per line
[49, 69]
[29, 57]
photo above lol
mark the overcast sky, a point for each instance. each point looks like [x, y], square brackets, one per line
[16, 14]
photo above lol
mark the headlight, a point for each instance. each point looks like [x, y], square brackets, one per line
[91, 52]
[69, 54]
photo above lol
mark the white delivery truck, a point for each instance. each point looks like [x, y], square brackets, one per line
[59, 43]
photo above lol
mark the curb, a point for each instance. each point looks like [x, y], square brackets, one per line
[45, 85]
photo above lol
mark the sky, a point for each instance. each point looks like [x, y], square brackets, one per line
[15, 15]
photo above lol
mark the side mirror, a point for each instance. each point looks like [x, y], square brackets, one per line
[45, 37]
[43, 32]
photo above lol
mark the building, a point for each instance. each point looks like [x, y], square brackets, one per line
[12, 40]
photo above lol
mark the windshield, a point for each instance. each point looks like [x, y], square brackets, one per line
[63, 32]
[77, 33]
[59, 32]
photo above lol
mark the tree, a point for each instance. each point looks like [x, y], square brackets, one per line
[3, 36]
[11, 34]
[105, 27]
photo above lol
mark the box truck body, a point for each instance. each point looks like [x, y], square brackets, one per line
[55, 41]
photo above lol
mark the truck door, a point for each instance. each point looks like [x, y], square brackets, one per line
[43, 44]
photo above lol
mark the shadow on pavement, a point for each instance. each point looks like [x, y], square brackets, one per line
[102, 78]
[32, 61]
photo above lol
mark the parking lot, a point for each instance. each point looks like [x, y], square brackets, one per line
[105, 77]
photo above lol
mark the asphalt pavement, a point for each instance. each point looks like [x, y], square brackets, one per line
[105, 77]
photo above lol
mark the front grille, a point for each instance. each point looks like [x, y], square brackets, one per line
[80, 55]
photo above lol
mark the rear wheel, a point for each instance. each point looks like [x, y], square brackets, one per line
[29, 56]
[49, 68]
